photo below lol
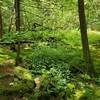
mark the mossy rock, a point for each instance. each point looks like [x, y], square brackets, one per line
[23, 73]
[17, 83]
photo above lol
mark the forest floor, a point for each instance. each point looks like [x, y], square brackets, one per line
[8, 70]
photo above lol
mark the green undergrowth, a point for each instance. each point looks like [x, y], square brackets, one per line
[94, 40]
[6, 54]
[57, 58]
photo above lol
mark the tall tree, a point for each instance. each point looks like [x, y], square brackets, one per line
[84, 37]
[17, 23]
[11, 23]
[17, 15]
[1, 26]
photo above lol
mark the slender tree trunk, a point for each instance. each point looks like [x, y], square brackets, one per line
[17, 23]
[11, 23]
[84, 37]
[17, 15]
[1, 24]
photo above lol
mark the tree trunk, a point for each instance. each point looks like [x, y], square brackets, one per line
[11, 23]
[17, 15]
[17, 23]
[1, 24]
[84, 38]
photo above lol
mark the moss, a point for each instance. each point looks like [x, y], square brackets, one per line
[23, 73]
[97, 91]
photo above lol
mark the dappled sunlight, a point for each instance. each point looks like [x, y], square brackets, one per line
[49, 49]
[78, 94]
[95, 32]
[23, 73]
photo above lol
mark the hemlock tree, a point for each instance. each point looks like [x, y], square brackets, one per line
[1, 27]
[84, 37]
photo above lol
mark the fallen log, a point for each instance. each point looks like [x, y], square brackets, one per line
[16, 42]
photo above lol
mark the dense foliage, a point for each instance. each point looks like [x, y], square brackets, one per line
[49, 50]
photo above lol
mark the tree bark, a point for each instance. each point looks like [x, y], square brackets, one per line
[1, 24]
[84, 38]
[17, 15]
[17, 23]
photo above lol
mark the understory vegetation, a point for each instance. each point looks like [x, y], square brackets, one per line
[42, 51]
[55, 60]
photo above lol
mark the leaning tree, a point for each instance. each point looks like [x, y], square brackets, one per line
[84, 38]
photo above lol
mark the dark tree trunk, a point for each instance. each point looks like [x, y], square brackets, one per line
[17, 23]
[1, 25]
[84, 37]
[17, 14]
